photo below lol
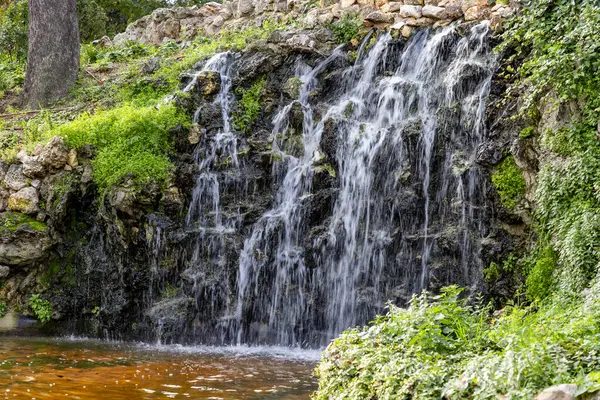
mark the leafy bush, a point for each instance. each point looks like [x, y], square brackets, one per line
[347, 28]
[447, 346]
[249, 106]
[539, 281]
[13, 30]
[508, 181]
[130, 141]
[42, 309]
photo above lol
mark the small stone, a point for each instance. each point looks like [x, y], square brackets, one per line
[4, 271]
[325, 19]
[151, 66]
[208, 83]
[410, 11]
[292, 87]
[25, 201]
[72, 158]
[68, 168]
[194, 134]
[407, 31]
[15, 179]
[36, 183]
[347, 3]
[103, 42]
[3, 169]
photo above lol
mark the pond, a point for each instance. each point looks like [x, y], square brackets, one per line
[47, 368]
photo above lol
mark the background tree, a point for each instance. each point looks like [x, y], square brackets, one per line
[53, 54]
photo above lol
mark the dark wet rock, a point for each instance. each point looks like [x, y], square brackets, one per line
[22, 240]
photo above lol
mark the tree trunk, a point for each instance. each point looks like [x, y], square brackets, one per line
[53, 57]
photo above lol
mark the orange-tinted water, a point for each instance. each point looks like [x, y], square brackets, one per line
[81, 369]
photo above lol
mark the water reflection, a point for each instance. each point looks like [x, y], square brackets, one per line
[83, 369]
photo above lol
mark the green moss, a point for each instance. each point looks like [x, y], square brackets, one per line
[527, 132]
[131, 141]
[249, 106]
[326, 168]
[508, 181]
[11, 221]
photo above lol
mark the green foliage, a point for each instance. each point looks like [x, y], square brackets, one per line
[539, 281]
[562, 40]
[42, 309]
[508, 181]
[249, 106]
[13, 30]
[347, 28]
[449, 347]
[131, 142]
[3, 309]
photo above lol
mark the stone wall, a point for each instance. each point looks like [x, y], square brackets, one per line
[181, 23]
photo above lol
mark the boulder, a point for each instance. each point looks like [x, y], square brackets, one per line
[32, 167]
[150, 66]
[410, 11]
[377, 17]
[431, 11]
[15, 179]
[420, 22]
[391, 7]
[22, 240]
[558, 392]
[245, 7]
[55, 154]
[25, 201]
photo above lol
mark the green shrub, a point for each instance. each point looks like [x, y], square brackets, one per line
[347, 28]
[42, 309]
[13, 30]
[449, 347]
[508, 181]
[249, 106]
[130, 141]
[539, 281]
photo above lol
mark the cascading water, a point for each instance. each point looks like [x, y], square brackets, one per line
[408, 126]
[406, 210]
[205, 277]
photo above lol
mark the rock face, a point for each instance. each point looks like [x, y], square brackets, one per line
[166, 253]
[179, 23]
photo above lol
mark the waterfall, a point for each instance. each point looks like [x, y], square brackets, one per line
[407, 210]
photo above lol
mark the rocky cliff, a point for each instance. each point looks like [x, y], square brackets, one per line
[251, 236]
